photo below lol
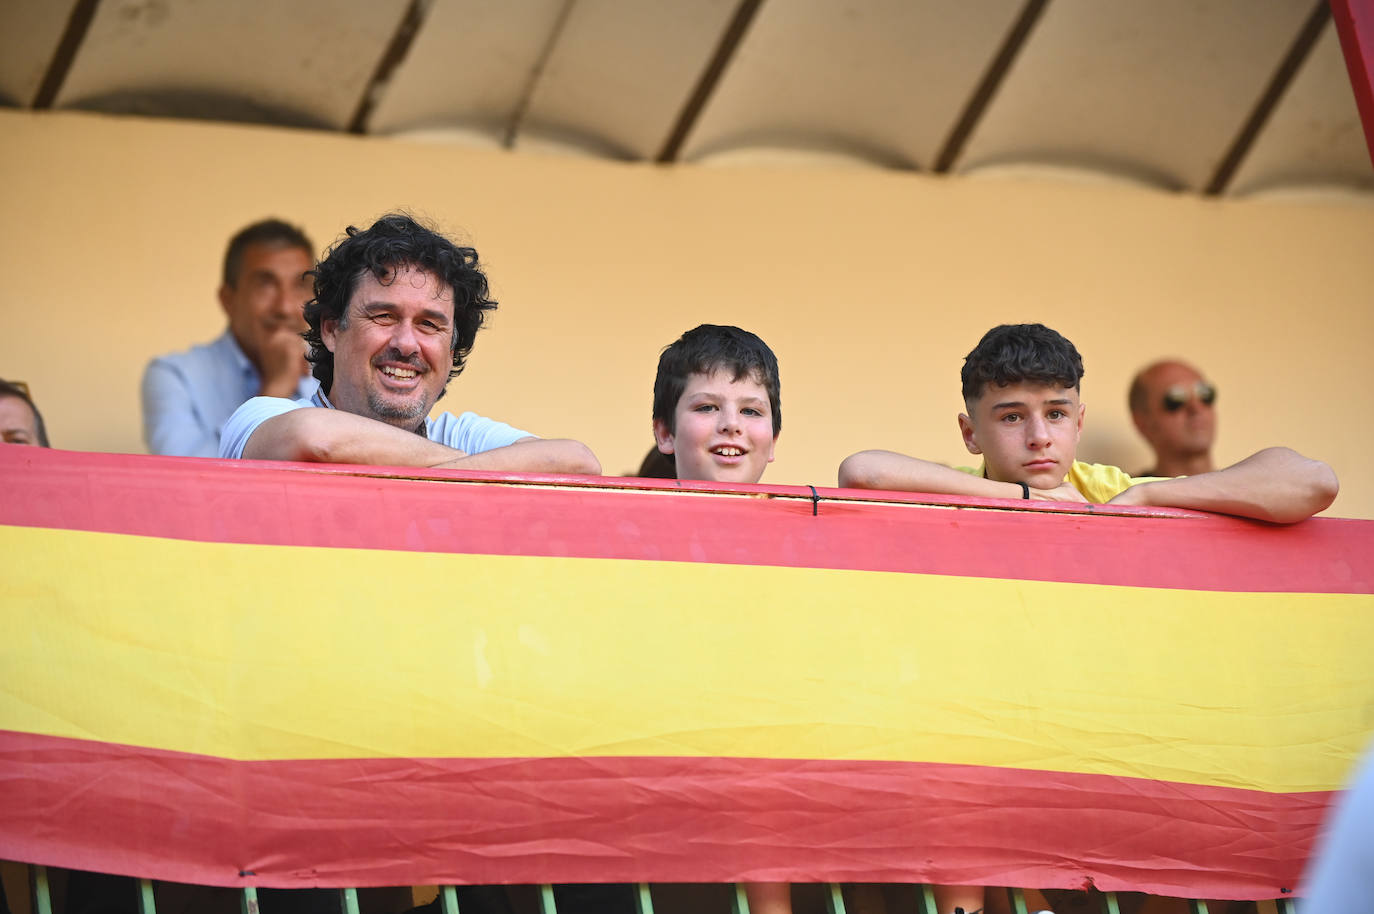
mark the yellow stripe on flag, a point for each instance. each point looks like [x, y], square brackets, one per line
[268, 652]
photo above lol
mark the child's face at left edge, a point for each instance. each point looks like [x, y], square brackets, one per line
[723, 429]
[1026, 432]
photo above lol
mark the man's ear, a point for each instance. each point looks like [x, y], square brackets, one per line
[226, 294]
[970, 437]
[329, 329]
[1082, 411]
[665, 437]
[772, 447]
[1139, 420]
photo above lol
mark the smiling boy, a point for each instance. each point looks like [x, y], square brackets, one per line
[717, 404]
[1021, 389]
[718, 414]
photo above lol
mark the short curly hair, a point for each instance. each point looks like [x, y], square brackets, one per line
[394, 242]
[709, 348]
[1017, 354]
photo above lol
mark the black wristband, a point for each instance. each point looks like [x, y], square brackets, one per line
[1025, 490]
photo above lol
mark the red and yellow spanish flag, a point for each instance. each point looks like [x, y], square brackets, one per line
[272, 674]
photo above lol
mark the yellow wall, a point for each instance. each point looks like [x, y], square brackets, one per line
[870, 285]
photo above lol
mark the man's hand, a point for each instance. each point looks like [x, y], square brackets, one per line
[282, 363]
[1062, 492]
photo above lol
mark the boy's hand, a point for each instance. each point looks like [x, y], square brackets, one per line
[1135, 496]
[1062, 492]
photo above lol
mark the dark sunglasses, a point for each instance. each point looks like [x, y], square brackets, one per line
[1176, 397]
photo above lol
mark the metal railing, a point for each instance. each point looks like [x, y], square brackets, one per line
[1108, 902]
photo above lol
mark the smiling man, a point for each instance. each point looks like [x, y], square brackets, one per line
[1021, 389]
[396, 310]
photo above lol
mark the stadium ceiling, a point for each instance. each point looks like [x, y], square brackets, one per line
[1214, 97]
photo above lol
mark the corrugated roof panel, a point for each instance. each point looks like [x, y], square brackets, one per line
[304, 62]
[1156, 89]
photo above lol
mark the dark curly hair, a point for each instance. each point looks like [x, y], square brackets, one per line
[394, 242]
[1020, 353]
[708, 348]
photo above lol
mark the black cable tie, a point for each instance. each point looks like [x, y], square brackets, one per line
[815, 501]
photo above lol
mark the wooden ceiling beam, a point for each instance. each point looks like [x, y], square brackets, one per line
[396, 50]
[696, 102]
[78, 23]
[1259, 116]
[987, 87]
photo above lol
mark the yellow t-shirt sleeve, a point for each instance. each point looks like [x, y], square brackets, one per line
[1100, 482]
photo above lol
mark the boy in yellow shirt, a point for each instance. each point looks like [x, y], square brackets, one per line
[1021, 389]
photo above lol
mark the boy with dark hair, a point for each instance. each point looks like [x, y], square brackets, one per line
[1021, 389]
[718, 414]
[718, 404]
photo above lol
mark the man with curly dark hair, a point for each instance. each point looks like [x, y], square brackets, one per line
[1021, 389]
[397, 307]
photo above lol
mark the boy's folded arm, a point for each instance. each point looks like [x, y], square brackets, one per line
[1277, 484]
[898, 472]
[532, 455]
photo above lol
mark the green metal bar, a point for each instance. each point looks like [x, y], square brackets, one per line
[925, 899]
[741, 902]
[350, 900]
[644, 902]
[1109, 903]
[146, 905]
[448, 899]
[546, 902]
[249, 902]
[834, 901]
[1197, 906]
[1018, 901]
[42, 897]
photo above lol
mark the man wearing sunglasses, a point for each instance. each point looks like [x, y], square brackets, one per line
[1174, 409]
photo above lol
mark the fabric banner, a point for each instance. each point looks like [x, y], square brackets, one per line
[283, 675]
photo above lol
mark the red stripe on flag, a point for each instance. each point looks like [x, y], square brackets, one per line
[394, 821]
[292, 505]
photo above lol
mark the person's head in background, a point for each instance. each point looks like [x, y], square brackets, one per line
[718, 404]
[265, 287]
[657, 465]
[1173, 408]
[20, 420]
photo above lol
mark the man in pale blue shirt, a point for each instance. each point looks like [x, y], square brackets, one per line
[187, 396]
[396, 310]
